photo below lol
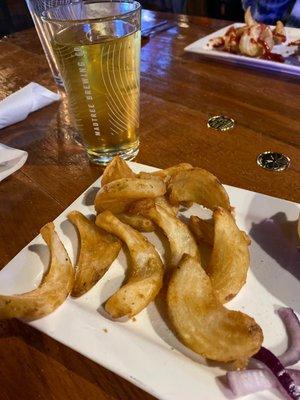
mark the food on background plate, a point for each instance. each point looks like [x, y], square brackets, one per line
[96, 252]
[294, 43]
[146, 269]
[279, 34]
[53, 290]
[198, 186]
[230, 258]
[116, 196]
[202, 323]
[254, 39]
[116, 169]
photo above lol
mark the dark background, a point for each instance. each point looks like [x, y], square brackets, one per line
[14, 15]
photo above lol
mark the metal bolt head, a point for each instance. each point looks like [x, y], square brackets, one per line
[273, 161]
[220, 123]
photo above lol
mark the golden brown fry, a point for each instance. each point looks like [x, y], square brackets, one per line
[167, 173]
[230, 257]
[141, 223]
[202, 323]
[199, 186]
[116, 196]
[163, 202]
[116, 169]
[203, 230]
[180, 238]
[146, 275]
[98, 250]
[137, 222]
[53, 290]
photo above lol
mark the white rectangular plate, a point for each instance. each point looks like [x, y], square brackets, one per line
[290, 66]
[144, 351]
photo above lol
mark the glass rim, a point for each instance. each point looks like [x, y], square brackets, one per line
[137, 7]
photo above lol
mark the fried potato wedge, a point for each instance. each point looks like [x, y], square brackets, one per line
[198, 186]
[98, 250]
[146, 275]
[230, 257]
[167, 173]
[203, 230]
[53, 290]
[116, 169]
[202, 323]
[163, 202]
[180, 238]
[137, 222]
[116, 196]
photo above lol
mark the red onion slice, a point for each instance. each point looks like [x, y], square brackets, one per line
[292, 325]
[271, 361]
[249, 381]
[295, 374]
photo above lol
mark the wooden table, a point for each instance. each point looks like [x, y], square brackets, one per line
[179, 93]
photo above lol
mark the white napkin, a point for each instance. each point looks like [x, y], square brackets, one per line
[10, 160]
[18, 105]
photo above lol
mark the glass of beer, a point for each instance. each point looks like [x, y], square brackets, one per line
[97, 48]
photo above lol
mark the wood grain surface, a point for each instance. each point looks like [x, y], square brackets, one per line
[179, 92]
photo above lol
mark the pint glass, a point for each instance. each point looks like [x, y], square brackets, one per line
[97, 48]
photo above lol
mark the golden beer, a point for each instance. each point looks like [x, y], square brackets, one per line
[101, 77]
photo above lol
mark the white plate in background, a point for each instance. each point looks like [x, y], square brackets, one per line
[290, 66]
[144, 351]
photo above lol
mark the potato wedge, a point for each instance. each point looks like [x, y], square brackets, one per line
[146, 275]
[137, 222]
[202, 323]
[199, 186]
[180, 238]
[230, 257]
[98, 250]
[116, 196]
[163, 202]
[116, 169]
[53, 290]
[203, 230]
[173, 170]
[167, 173]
